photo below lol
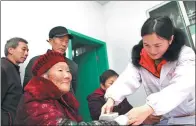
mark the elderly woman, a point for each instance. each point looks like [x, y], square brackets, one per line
[47, 100]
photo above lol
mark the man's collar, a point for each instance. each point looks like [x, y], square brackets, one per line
[15, 65]
[51, 50]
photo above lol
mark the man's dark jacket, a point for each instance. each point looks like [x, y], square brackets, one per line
[96, 101]
[11, 91]
[72, 66]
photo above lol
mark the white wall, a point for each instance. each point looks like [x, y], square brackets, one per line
[117, 22]
[32, 20]
[123, 21]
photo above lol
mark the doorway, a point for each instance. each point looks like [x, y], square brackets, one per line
[91, 56]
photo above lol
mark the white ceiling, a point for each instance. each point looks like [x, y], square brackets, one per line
[103, 2]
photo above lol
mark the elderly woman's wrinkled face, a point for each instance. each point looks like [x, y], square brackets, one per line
[60, 75]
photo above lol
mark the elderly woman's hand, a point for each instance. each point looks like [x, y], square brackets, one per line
[138, 114]
[108, 106]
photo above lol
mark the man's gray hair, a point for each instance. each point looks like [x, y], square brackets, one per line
[13, 43]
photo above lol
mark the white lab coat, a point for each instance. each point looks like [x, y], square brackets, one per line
[171, 95]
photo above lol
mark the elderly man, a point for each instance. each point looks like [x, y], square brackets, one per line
[58, 39]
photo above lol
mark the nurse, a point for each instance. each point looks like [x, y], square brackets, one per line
[165, 66]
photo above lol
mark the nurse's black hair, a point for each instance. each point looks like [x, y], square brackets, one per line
[163, 27]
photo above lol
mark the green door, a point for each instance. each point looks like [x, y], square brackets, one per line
[91, 64]
[88, 80]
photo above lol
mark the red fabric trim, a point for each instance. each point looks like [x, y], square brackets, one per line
[159, 66]
[73, 105]
[43, 89]
[73, 102]
[99, 92]
[148, 63]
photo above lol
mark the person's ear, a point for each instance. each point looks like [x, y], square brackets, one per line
[45, 76]
[103, 87]
[50, 41]
[171, 40]
[11, 50]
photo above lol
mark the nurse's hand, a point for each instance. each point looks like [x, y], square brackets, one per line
[138, 114]
[152, 120]
[108, 106]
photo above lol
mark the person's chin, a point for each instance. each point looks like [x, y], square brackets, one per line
[21, 61]
[155, 57]
[61, 51]
[65, 90]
